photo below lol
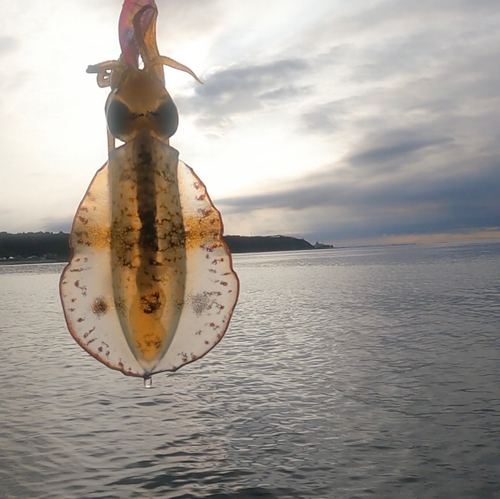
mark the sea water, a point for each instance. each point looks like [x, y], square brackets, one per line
[345, 373]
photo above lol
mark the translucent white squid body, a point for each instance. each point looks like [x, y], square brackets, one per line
[150, 285]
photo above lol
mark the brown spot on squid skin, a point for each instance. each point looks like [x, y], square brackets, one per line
[202, 228]
[150, 303]
[100, 306]
[91, 234]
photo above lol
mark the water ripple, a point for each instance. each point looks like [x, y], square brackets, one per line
[346, 373]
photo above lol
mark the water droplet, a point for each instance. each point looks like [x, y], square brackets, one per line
[148, 382]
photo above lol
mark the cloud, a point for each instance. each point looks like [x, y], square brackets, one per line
[8, 44]
[240, 89]
[286, 92]
[328, 117]
[395, 149]
[407, 91]
[343, 204]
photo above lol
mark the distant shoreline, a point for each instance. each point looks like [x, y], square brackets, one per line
[48, 247]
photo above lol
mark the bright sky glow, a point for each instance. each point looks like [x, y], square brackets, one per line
[346, 121]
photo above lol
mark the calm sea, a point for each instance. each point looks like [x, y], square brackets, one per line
[349, 373]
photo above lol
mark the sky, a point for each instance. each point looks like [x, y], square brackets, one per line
[339, 121]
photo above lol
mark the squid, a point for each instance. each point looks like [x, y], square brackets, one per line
[150, 285]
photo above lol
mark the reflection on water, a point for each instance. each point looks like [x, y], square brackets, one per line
[366, 372]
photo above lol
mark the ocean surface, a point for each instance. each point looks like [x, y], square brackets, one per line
[346, 373]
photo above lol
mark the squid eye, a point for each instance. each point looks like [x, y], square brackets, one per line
[119, 117]
[167, 118]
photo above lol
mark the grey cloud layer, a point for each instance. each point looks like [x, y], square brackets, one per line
[8, 44]
[424, 109]
[244, 89]
[346, 206]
